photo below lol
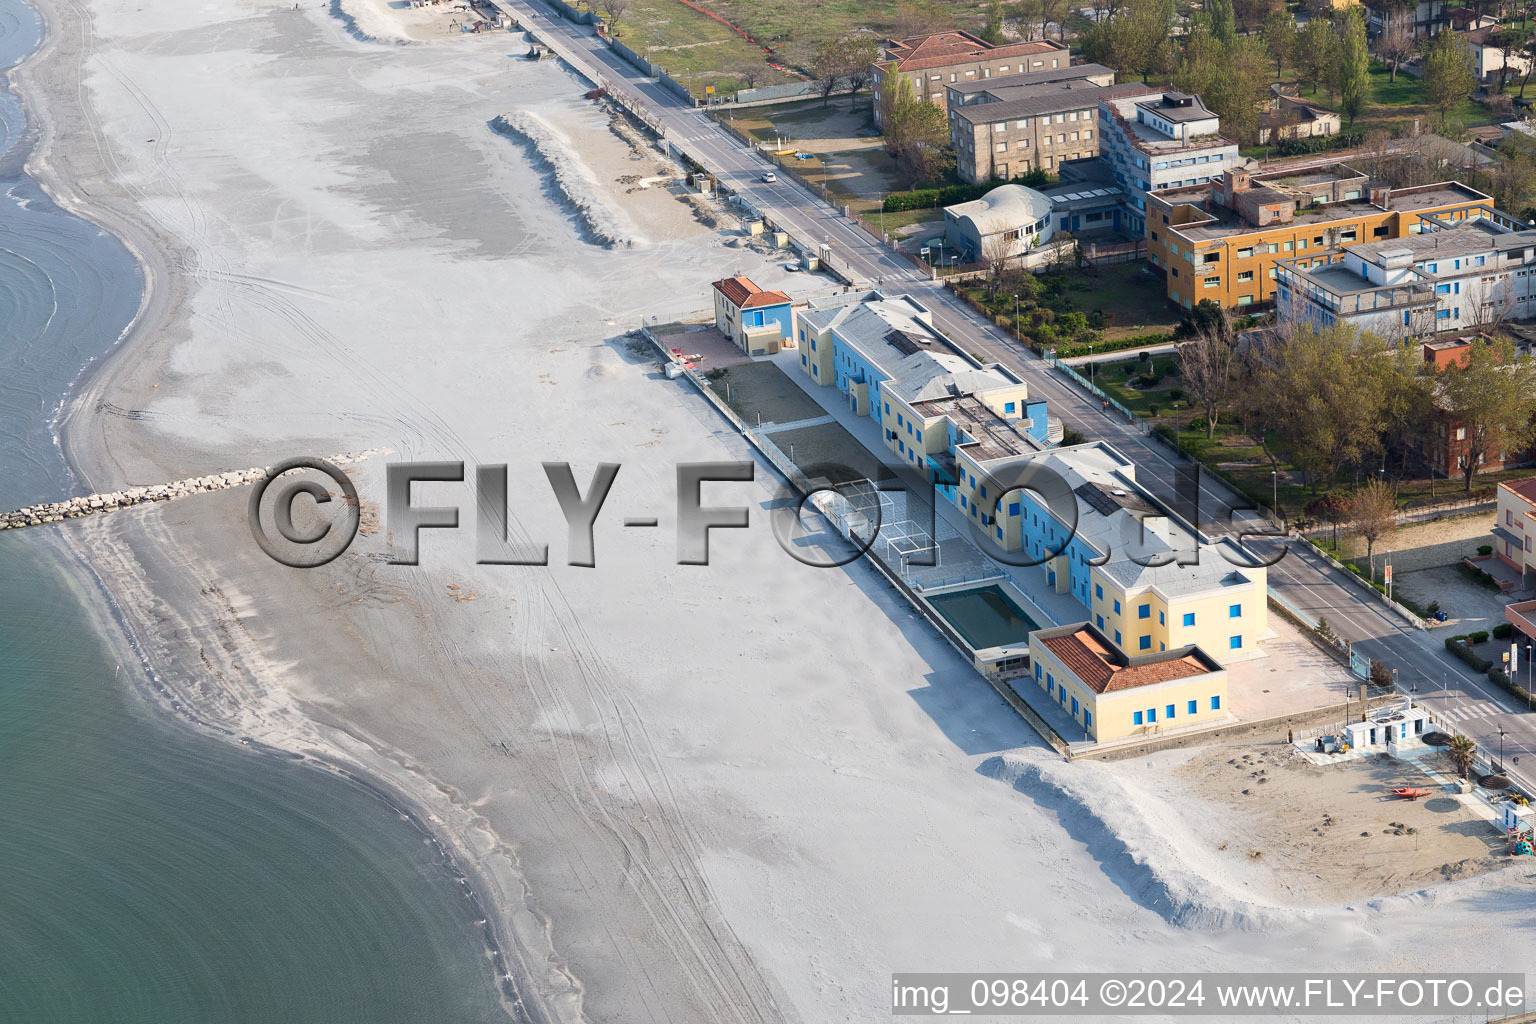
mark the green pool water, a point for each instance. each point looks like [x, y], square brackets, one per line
[984, 616]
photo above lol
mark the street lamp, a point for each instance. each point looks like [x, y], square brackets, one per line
[1501, 749]
[1274, 490]
[1015, 316]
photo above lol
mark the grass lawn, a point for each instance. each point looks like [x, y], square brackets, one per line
[794, 27]
[694, 48]
[1134, 299]
[1399, 102]
[1121, 380]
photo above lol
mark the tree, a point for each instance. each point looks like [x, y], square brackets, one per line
[997, 251]
[1447, 71]
[1250, 15]
[1354, 65]
[1232, 78]
[1133, 40]
[859, 55]
[1316, 53]
[1374, 512]
[993, 32]
[1506, 41]
[1492, 398]
[1380, 674]
[1218, 18]
[916, 133]
[614, 9]
[1395, 44]
[827, 65]
[1332, 508]
[1327, 400]
[1208, 364]
[1528, 54]
[1280, 38]
[1462, 750]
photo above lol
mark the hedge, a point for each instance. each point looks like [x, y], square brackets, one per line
[1502, 631]
[1104, 347]
[949, 195]
[1471, 657]
[1500, 678]
[1318, 144]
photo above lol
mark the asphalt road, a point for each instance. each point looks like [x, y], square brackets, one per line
[1425, 670]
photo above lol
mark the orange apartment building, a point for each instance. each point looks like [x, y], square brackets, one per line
[1220, 240]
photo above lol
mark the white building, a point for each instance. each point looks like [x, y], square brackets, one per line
[1160, 139]
[1488, 61]
[1473, 274]
[1010, 220]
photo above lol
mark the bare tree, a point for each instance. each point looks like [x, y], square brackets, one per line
[1374, 512]
[1208, 364]
[614, 9]
[1395, 44]
[997, 251]
[859, 56]
[827, 67]
[1489, 302]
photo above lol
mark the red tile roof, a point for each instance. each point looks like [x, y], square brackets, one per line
[943, 48]
[1525, 488]
[743, 294]
[1098, 667]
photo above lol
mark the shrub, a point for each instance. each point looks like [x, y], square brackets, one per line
[1167, 433]
[1176, 393]
[1149, 380]
[1485, 549]
[1467, 655]
[1500, 678]
[1152, 409]
[1502, 631]
[1432, 610]
[1481, 636]
[1144, 357]
[1380, 674]
[1070, 436]
[1196, 423]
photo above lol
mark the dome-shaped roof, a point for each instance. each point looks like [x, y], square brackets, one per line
[1005, 207]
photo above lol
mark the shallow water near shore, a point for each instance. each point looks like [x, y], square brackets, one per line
[148, 873]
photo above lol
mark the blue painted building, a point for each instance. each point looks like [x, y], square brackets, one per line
[757, 322]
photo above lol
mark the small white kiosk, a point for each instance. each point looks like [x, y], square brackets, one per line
[1391, 727]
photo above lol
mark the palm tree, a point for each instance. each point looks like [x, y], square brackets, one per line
[1461, 749]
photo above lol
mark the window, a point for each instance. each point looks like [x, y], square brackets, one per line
[1088, 719]
[1236, 643]
[1098, 591]
[1245, 275]
[1193, 708]
[1211, 282]
[1144, 611]
[1145, 643]
[1074, 707]
[1235, 611]
[1168, 712]
[1151, 714]
[1215, 703]
[1136, 718]
[1037, 672]
[1189, 618]
[813, 344]
[1117, 606]
[1013, 508]
[1162, 620]
[1118, 641]
[802, 359]
[1001, 147]
[1099, 621]
[1348, 236]
[1245, 252]
[1050, 685]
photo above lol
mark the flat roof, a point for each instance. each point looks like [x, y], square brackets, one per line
[1049, 98]
[1028, 79]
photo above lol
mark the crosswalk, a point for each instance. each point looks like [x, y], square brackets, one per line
[1465, 711]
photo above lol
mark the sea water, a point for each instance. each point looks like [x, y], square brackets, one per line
[148, 873]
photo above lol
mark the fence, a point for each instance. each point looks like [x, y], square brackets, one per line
[772, 93]
[1135, 419]
[570, 13]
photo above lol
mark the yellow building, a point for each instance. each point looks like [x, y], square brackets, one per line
[1219, 239]
[1113, 695]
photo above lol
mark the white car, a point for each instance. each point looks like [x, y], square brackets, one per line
[769, 177]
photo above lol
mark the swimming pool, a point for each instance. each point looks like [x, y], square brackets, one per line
[985, 616]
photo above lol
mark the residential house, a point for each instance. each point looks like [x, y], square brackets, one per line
[1489, 60]
[1155, 140]
[1290, 117]
[1454, 275]
[1112, 694]
[931, 63]
[1424, 18]
[757, 322]
[1514, 525]
[1446, 450]
[1222, 240]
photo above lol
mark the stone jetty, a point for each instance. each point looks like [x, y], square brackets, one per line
[95, 504]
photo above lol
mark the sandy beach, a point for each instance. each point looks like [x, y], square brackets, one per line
[741, 792]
